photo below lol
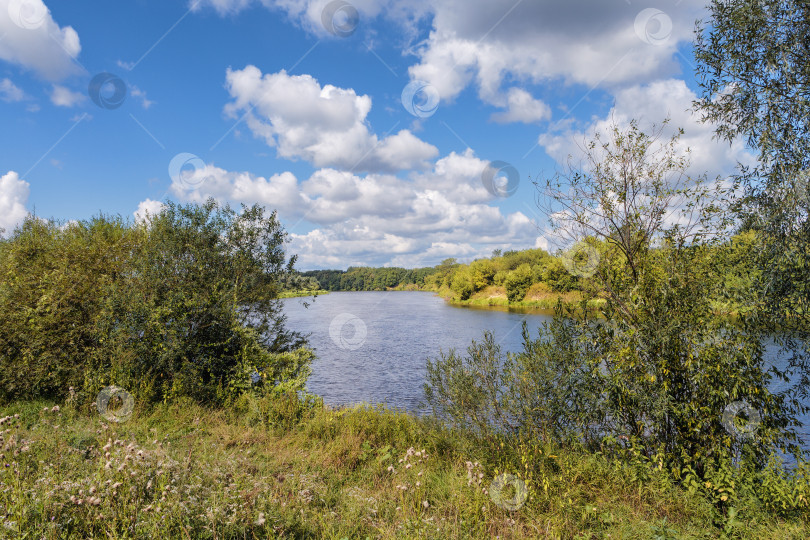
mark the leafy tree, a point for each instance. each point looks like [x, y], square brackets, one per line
[482, 273]
[462, 284]
[753, 72]
[517, 282]
[663, 368]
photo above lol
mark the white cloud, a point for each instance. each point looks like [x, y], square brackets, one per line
[377, 218]
[486, 41]
[325, 126]
[13, 197]
[140, 94]
[32, 39]
[651, 104]
[9, 92]
[146, 209]
[64, 97]
[522, 107]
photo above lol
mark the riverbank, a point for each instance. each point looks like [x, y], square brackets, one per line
[538, 298]
[297, 294]
[282, 469]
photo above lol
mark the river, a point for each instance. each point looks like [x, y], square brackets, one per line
[372, 346]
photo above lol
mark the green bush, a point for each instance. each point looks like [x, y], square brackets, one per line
[517, 282]
[175, 306]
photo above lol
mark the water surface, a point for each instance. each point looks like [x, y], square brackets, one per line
[372, 346]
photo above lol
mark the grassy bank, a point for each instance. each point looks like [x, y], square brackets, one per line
[538, 297]
[296, 294]
[281, 470]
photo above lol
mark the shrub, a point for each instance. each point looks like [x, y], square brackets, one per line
[517, 282]
[176, 306]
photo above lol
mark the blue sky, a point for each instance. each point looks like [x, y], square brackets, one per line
[298, 105]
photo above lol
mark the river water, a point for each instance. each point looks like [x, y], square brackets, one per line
[371, 346]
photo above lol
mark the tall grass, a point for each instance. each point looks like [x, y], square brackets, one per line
[290, 468]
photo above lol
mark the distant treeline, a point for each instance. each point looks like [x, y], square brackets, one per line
[513, 273]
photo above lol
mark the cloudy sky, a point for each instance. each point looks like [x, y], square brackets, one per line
[384, 132]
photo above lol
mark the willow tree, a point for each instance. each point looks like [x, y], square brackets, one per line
[665, 369]
[755, 80]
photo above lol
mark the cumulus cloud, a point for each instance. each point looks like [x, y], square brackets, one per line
[64, 97]
[651, 104]
[325, 126]
[487, 42]
[13, 197]
[146, 209]
[606, 43]
[522, 107]
[32, 39]
[376, 218]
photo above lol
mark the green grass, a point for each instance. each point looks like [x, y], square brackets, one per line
[183, 471]
[296, 294]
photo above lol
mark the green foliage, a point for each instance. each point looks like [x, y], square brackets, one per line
[518, 281]
[176, 306]
[752, 69]
[653, 381]
[482, 273]
[462, 284]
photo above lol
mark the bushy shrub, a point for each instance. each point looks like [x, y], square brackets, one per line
[517, 282]
[174, 306]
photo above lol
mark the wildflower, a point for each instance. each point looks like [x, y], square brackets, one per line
[419, 473]
[391, 468]
[425, 504]
[418, 483]
[399, 508]
[92, 490]
[121, 467]
[55, 408]
[108, 465]
[408, 466]
[261, 519]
